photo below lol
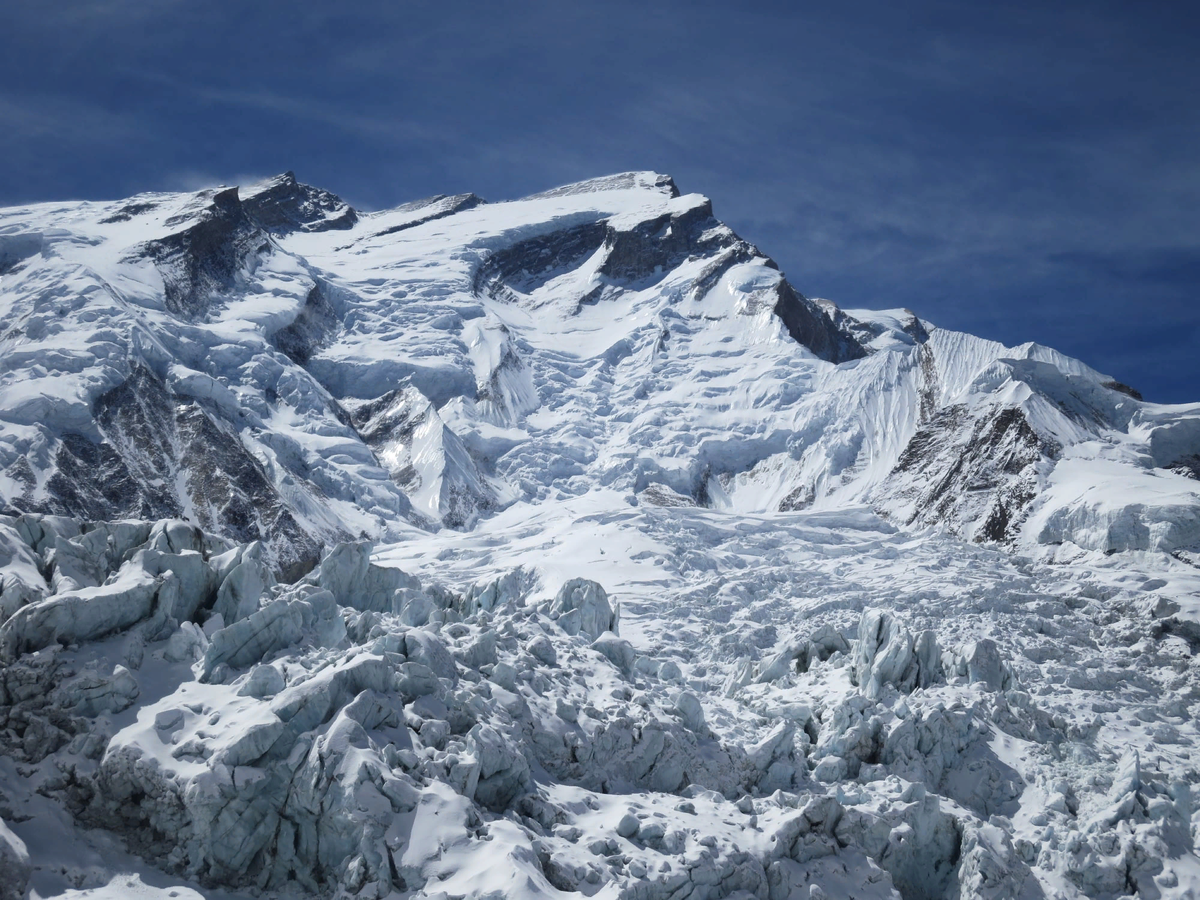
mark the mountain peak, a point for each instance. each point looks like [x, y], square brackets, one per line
[622, 181]
[282, 205]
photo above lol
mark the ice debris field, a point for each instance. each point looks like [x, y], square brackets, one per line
[561, 547]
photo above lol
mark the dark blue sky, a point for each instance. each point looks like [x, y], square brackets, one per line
[1024, 171]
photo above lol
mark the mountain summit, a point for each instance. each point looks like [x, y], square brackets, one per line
[270, 363]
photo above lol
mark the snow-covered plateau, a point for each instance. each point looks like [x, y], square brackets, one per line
[561, 546]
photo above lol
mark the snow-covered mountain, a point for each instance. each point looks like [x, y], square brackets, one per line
[270, 363]
[529, 406]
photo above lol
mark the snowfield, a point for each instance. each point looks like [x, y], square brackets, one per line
[561, 547]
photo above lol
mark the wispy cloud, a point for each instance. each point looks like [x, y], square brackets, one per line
[198, 179]
[384, 124]
[27, 117]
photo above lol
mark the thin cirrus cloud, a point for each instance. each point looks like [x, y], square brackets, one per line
[31, 118]
[1024, 171]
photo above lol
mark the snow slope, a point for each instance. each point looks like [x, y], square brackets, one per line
[684, 584]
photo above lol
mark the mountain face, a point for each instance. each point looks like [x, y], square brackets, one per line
[686, 584]
[217, 356]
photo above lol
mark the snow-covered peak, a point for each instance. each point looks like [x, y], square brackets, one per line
[622, 182]
[609, 332]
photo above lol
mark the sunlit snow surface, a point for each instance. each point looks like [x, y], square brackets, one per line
[588, 384]
[612, 335]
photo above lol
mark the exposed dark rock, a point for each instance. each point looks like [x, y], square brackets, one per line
[92, 480]
[1189, 467]
[394, 416]
[388, 425]
[989, 461]
[16, 248]
[808, 325]
[527, 265]
[649, 250]
[661, 495]
[128, 211]
[798, 498]
[508, 365]
[1123, 389]
[915, 329]
[284, 205]
[153, 442]
[311, 330]
[439, 205]
[205, 257]
[21, 472]
[640, 256]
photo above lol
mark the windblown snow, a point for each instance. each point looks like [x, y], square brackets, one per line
[561, 546]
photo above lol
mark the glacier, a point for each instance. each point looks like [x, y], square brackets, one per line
[562, 546]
